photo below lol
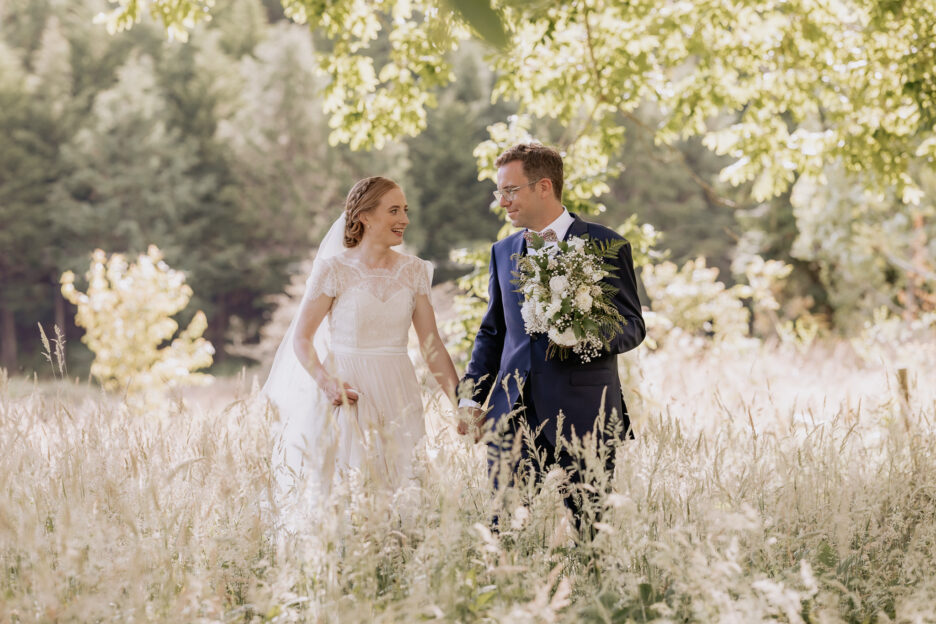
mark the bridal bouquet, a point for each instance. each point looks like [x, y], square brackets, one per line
[565, 297]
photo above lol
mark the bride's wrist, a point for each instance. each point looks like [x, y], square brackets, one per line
[320, 377]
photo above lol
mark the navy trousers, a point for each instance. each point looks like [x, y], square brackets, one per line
[499, 454]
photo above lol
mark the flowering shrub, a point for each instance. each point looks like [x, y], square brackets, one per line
[691, 306]
[898, 342]
[127, 316]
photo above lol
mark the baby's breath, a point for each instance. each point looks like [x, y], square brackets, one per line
[565, 297]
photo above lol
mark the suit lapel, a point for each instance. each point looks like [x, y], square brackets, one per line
[578, 227]
[518, 247]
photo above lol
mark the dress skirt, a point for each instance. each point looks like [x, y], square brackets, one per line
[379, 433]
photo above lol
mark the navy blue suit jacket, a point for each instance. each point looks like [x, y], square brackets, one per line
[505, 355]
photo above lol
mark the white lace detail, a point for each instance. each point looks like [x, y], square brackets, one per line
[373, 307]
[323, 280]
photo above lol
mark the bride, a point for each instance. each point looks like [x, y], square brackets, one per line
[346, 390]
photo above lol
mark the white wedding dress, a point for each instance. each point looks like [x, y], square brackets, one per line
[368, 325]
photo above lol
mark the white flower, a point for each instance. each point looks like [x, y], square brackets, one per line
[583, 300]
[526, 311]
[563, 339]
[559, 284]
[540, 310]
[553, 308]
[577, 243]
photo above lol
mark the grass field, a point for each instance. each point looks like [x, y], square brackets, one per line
[763, 485]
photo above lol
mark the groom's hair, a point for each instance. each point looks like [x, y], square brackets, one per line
[539, 161]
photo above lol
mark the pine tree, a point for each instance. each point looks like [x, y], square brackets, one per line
[454, 206]
[27, 162]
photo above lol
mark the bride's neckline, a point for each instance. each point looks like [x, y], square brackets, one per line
[354, 258]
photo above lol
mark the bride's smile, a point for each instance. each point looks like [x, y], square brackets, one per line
[385, 224]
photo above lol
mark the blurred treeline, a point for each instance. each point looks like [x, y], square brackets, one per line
[217, 152]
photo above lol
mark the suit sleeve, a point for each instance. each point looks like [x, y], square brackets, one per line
[489, 343]
[627, 302]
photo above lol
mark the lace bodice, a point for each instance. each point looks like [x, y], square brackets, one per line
[373, 308]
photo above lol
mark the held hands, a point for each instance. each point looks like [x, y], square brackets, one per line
[471, 420]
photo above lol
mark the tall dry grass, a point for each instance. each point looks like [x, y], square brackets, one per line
[763, 485]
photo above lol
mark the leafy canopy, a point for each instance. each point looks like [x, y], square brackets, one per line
[780, 86]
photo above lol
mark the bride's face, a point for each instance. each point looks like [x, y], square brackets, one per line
[386, 223]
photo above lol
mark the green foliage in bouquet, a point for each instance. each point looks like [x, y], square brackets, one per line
[565, 295]
[470, 306]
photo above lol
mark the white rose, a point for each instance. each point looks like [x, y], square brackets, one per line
[559, 284]
[526, 311]
[583, 300]
[577, 243]
[563, 339]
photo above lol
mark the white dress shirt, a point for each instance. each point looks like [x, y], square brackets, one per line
[560, 226]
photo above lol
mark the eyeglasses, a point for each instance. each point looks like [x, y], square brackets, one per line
[510, 193]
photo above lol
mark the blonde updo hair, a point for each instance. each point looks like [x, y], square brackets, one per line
[363, 197]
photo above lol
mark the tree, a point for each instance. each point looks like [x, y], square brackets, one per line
[804, 82]
[454, 204]
[27, 159]
[871, 253]
[656, 184]
[290, 183]
[127, 181]
[779, 88]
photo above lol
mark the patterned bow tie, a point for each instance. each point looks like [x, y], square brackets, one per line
[547, 235]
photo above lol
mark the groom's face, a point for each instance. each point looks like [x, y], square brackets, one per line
[527, 207]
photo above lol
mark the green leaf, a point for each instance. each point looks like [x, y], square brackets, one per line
[646, 593]
[827, 555]
[484, 20]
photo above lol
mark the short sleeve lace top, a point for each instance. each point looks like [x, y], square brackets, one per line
[373, 307]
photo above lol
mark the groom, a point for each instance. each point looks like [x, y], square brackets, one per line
[512, 377]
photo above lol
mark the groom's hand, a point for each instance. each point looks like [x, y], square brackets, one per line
[472, 421]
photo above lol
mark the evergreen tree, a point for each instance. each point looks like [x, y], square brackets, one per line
[291, 183]
[129, 177]
[27, 160]
[454, 206]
